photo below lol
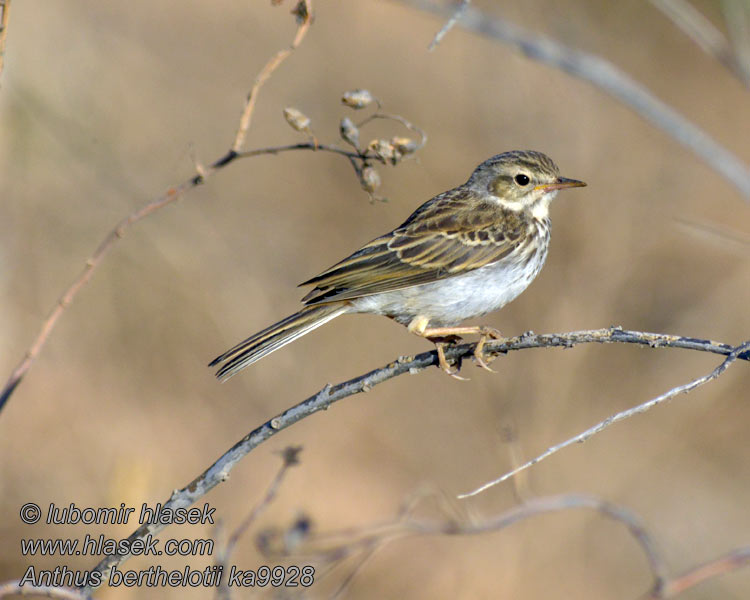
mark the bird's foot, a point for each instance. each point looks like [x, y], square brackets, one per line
[442, 335]
[485, 333]
[443, 363]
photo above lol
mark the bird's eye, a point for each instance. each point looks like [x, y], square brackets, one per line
[522, 179]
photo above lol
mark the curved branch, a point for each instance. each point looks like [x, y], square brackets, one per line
[303, 12]
[611, 420]
[219, 470]
[606, 76]
[119, 231]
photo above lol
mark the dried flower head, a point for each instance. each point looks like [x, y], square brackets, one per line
[358, 98]
[384, 151]
[404, 146]
[297, 120]
[369, 179]
[349, 132]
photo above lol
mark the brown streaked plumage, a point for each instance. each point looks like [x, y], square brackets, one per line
[462, 254]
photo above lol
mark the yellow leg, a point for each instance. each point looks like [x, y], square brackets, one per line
[419, 327]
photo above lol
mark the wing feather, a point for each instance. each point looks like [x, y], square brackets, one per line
[451, 234]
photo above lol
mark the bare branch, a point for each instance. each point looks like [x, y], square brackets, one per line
[408, 124]
[219, 470]
[704, 33]
[620, 416]
[610, 79]
[169, 197]
[367, 540]
[336, 546]
[737, 18]
[449, 24]
[290, 458]
[14, 588]
[267, 71]
[302, 146]
[727, 563]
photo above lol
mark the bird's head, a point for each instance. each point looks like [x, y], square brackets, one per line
[521, 180]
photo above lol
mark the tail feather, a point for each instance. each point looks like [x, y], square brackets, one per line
[274, 337]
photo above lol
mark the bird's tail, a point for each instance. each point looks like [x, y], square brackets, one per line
[274, 337]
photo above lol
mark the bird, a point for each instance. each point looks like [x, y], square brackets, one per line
[463, 254]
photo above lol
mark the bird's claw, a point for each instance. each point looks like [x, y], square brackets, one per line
[443, 363]
[485, 334]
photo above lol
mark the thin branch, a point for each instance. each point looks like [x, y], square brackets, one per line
[732, 561]
[449, 24]
[366, 540]
[14, 588]
[304, 146]
[169, 197]
[219, 470]
[705, 34]
[4, 18]
[737, 18]
[620, 416]
[408, 124]
[339, 545]
[304, 12]
[290, 458]
[607, 77]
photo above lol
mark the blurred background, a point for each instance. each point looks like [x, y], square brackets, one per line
[104, 105]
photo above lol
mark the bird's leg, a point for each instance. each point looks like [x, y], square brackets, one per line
[483, 332]
[418, 326]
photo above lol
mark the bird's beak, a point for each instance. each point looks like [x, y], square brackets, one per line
[560, 184]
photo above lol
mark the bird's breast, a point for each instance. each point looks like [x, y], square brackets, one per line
[454, 299]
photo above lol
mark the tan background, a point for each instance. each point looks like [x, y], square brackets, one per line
[103, 106]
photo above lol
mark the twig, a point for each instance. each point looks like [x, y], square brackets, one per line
[290, 457]
[368, 539]
[303, 146]
[219, 470]
[449, 24]
[704, 33]
[267, 71]
[611, 420]
[13, 588]
[408, 124]
[724, 564]
[4, 17]
[169, 197]
[606, 76]
[737, 18]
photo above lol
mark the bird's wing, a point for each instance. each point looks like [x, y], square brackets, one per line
[453, 233]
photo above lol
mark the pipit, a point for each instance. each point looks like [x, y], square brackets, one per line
[464, 253]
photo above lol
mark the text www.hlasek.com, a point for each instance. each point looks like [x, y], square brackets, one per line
[95, 546]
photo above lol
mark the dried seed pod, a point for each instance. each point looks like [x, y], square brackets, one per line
[297, 120]
[405, 146]
[383, 150]
[369, 179]
[349, 132]
[357, 98]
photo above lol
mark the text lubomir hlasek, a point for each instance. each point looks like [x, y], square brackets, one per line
[159, 514]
